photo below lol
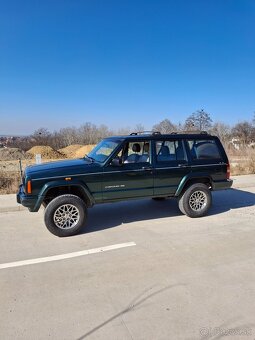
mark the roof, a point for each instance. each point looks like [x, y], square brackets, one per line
[158, 135]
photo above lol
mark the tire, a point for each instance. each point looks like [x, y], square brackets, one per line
[158, 198]
[196, 200]
[65, 215]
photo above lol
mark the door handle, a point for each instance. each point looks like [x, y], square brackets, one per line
[146, 168]
[182, 165]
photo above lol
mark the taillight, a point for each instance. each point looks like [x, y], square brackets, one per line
[228, 171]
[29, 187]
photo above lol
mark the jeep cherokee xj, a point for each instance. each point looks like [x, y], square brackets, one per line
[186, 166]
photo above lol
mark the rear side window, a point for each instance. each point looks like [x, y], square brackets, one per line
[204, 149]
[170, 151]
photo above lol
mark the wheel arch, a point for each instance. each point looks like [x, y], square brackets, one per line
[189, 180]
[56, 188]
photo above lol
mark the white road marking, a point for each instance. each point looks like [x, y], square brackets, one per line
[66, 256]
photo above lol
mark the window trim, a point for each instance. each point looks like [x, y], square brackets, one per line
[123, 145]
[171, 163]
[198, 161]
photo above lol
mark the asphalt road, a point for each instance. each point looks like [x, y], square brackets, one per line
[181, 278]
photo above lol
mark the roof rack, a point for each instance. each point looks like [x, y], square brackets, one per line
[197, 132]
[145, 133]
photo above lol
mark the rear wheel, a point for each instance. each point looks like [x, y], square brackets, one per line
[196, 200]
[65, 215]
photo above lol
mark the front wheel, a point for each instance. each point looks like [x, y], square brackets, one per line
[196, 200]
[65, 215]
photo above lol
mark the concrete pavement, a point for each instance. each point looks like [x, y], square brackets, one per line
[8, 203]
[183, 279]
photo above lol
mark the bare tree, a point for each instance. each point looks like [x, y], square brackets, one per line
[123, 131]
[180, 127]
[221, 130]
[102, 132]
[165, 126]
[199, 120]
[42, 136]
[88, 133]
[244, 132]
[67, 136]
[139, 128]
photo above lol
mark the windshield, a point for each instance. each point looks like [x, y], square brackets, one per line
[103, 150]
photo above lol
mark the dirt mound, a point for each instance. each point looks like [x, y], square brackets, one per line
[46, 152]
[70, 150]
[9, 154]
[84, 150]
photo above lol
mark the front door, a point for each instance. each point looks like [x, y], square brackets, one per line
[129, 174]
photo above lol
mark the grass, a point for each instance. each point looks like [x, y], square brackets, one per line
[242, 161]
[245, 168]
[9, 182]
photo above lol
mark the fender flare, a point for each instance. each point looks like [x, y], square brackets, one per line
[192, 176]
[63, 183]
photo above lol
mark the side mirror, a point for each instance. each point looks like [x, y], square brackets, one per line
[116, 162]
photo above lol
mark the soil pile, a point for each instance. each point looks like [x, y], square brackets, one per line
[46, 152]
[84, 150]
[9, 154]
[70, 150]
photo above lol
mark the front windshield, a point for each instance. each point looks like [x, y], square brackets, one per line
[103, 150]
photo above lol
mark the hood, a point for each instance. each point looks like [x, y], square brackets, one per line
[60, 168]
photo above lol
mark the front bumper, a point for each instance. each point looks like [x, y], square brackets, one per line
[27, 201]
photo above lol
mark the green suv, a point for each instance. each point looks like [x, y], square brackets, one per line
[186, 166]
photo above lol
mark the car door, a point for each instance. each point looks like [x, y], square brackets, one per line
[129, 174]
[171, 165]
[208, 156]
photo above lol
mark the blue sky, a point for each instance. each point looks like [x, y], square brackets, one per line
[121, 63]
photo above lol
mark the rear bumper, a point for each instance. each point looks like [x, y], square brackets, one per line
[221, 185]
[27, 201]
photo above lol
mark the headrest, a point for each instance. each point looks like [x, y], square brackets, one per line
[146, 147]
[136, 147]
[164, 150]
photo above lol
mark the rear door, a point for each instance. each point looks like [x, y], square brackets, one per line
[171, 165]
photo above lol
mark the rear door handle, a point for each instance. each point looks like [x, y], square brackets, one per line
[146, 168]
[182, 165]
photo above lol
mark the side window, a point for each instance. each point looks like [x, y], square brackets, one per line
[136, 152]
[204, 149]
[170, 151]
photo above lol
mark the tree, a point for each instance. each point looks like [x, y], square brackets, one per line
[67, 136]
[199, 120]
[244, 132]
[88, 134]
[123, 131]
[221, 130]
[42, 136]
[165, 126]
[139, 128]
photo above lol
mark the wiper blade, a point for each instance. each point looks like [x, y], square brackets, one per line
[90, 158]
